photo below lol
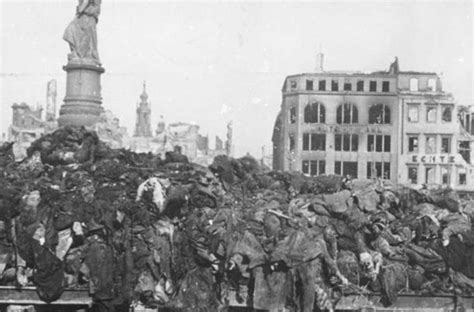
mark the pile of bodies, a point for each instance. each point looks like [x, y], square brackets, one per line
[136, 229]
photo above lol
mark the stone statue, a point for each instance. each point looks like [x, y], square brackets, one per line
[81, 33]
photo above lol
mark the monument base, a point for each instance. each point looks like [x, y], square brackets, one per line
[83, 101]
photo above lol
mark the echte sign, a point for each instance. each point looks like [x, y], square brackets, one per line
[434, 159]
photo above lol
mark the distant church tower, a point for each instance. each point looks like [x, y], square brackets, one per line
[143, 123]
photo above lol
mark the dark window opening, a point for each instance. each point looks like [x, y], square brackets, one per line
[378, 170]
[378, 143]
[322, 85]
[379, 114]
[347, 113]
[385, 86]
[334, 85]
[293, 115]
[315, 113]
[347, 86]
[314, 167]
[292, 142]
[346, 142]
[445, 175]
[309, 85]
[314, 141]
[447, 114]
[413, 144]
[360, 85]
[293, 85]
[445, 145]
[346, 168]
[462, 178]
[373, 86]
[318, 142]
[413, 175]
[305, 141]
[465, 151]
[386, 143]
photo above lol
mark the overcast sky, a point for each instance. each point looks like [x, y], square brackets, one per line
[212, 62]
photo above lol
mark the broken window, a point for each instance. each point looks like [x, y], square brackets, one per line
[322, 85]
[318, 142]
[413, 84]
[309, 85]
[314, 167]
[385, 86]
[446, 145]
[293, 85]
[314, 141]
[305, 141]
[447, 114]
[386, 143]
[413, 144]
[346, 168]
[413, 175]
[292, 142]
[430, 146]
[347, 113]
[445, 175]
[413, 113]
[379, 114]
[373, 86]
[346, 142]
[315, 113]
[465, 151]
[431, 85]
[431, 113]
[293, 115]
[430, 175]
[347, 86]
[378, 143]
[360, 85]
[378, 170]
[462, 176]
[334, 85]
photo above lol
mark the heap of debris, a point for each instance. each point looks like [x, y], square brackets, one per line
[139, 230]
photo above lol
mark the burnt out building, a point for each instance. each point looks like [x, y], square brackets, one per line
[369, 125]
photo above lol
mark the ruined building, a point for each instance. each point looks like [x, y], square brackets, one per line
[396, 125]
[29, 124]
[181, 137]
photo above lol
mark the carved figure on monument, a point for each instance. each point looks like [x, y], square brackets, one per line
[81, 33]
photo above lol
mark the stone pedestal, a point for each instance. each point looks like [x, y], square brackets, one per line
[82, 103]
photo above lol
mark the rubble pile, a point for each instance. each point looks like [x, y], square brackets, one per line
[136, 229]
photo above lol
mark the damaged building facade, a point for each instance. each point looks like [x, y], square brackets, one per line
[180, 137]
[396, 125]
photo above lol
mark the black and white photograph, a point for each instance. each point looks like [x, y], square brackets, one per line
[236, 155]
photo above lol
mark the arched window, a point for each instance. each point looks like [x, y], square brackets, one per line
[315, 113]
[379, 114]
[347, 114]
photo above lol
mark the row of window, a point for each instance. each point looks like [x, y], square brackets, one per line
[430, 175]
[346, 86]
[345, 168]
[342, 142]
[359, 85]
[430, 144]
[382, 170]
[346, 113]
[431, 113]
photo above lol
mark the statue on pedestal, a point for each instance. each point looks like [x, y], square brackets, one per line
[81, 33]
